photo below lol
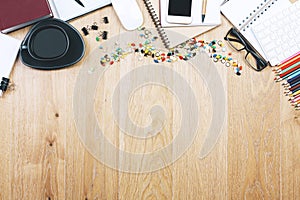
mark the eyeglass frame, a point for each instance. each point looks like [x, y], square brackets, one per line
[247, 47]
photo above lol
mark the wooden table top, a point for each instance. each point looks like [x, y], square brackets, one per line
[43, 155]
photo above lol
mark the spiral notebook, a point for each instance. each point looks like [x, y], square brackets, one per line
[248, 13]
[278, 35]
[173, 36]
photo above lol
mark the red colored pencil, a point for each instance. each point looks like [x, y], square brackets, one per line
[297, 66]
[288, 63]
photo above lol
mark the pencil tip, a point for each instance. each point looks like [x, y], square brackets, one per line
[203, 17]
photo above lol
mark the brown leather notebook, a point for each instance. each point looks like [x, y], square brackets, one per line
[15, 14]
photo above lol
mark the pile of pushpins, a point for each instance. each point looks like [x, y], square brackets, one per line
[184, 51]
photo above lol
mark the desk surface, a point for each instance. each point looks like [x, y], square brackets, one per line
[42, 156]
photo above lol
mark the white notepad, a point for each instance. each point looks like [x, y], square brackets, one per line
[244, 14]
[212, 16]
[69, 9]
[279, 35]
[9, 48]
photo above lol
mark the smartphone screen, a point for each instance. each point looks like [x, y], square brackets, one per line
[180, 8]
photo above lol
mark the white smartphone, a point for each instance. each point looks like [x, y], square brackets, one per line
[179, 11]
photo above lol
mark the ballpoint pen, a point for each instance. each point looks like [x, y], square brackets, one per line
[225, 1]
[79, 2]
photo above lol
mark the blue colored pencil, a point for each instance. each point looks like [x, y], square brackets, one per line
[294, 79]
[294, 74]
[294, 84]
[287, 76]
[293, 91]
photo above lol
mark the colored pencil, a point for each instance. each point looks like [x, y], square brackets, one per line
[288, 76]
[294, 74]
[293, 79]
[289, 72]
[289, 62]
[289, 69]
[296, 103]
[296, 100]
[295, 55]
[294, 87]
[292, 92]
[291, 85]
[294, 97]
[295, 94]
[288, 82]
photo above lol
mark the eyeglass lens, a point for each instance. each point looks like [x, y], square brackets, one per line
[236, 40]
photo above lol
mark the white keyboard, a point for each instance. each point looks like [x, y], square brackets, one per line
[279, 36]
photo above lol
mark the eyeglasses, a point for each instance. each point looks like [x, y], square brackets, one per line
[239, 43]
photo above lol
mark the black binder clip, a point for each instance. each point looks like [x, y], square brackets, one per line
[104, 35]
[94, 26]
[85, 31]
[105, 20]
[4, 84]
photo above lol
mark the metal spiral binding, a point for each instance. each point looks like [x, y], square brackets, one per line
[157, 24]
[260, 9]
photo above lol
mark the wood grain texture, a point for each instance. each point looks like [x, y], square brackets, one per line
[42, 156]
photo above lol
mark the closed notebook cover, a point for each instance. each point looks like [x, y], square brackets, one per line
[16, 14]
